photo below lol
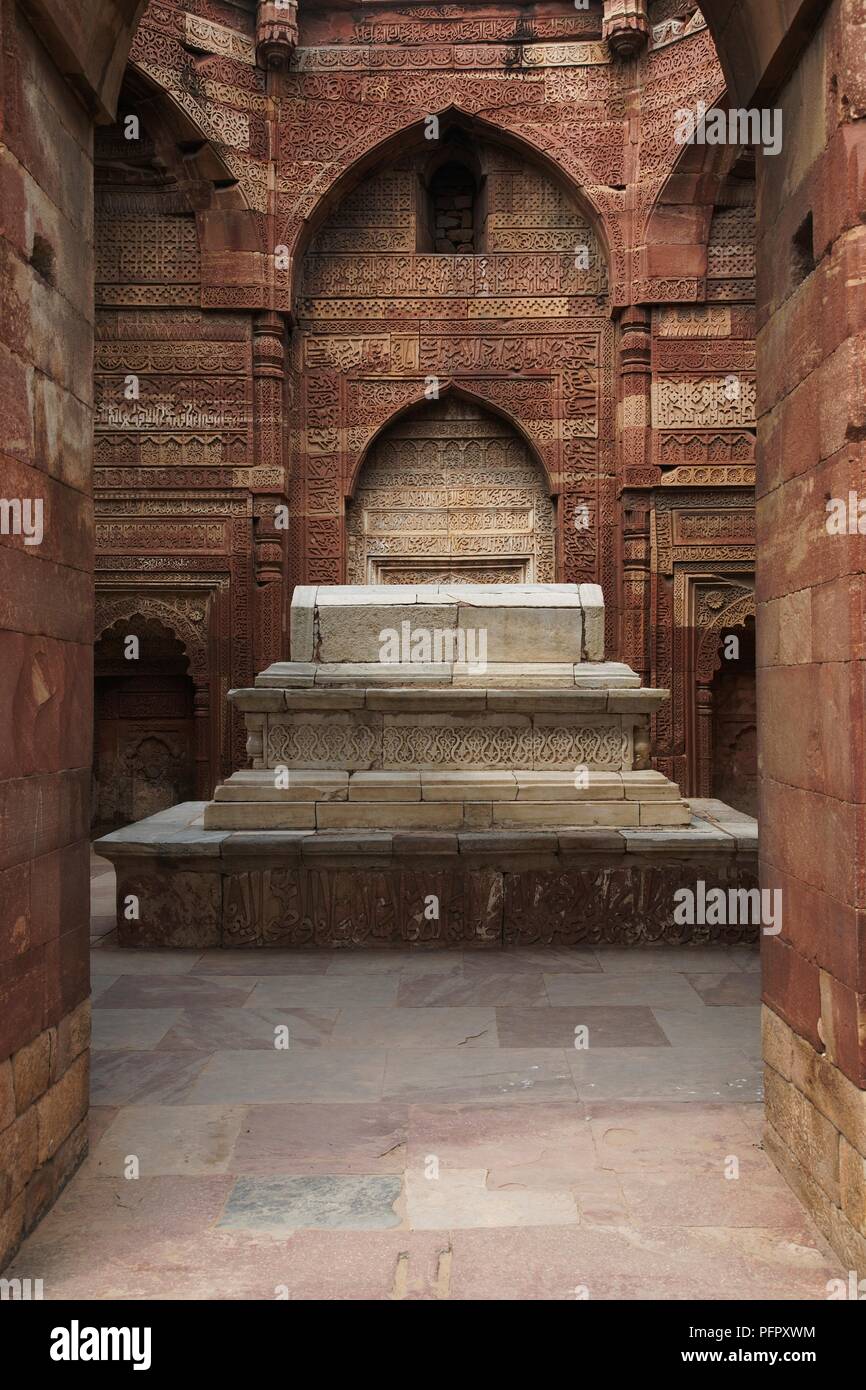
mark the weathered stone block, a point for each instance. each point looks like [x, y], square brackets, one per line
[62, 1107]
[31, 1071]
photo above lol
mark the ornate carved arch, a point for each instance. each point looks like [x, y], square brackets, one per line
[312, 206]
[490, 394]
[733, 613]
[191, 143]
[188, 626]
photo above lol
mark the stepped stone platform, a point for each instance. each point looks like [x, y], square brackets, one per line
[440, 764]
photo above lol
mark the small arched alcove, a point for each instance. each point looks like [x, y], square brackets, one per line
[452, 225]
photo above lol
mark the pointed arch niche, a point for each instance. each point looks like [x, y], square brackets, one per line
[450, 492]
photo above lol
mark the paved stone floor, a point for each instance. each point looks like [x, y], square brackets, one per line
[431, 1131]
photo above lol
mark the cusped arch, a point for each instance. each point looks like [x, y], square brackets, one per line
[735, 613]
[188, 630]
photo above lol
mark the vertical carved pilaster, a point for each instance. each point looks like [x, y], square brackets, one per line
[636, 589]
[626, 26]
[635, 439]
[276, 32]
[270, 490]
[704, 707]
[204, 777]
[635, 392]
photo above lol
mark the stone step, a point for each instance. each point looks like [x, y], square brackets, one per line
[305, 785]
[501, 676]
[439, 815]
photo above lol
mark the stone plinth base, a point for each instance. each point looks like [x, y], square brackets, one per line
[181, 885]
[816, 1136]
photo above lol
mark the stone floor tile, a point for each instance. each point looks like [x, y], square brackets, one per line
[204, 1029]
[326, 1074]
[99, 1117]
[136, 1210]
[680, 1139]
[101, 924]
[108, 959]
[672, 1198]
[460, 1199]
[262, 961]
[725, 1026]
[515, 960]
[472, 987]
[323, 1138]
[176, 992]
[665, 1073]
[646, 1263]
[220, 1264]
[186, 1140]
[549, 1136]
[424, 963]
[555, 1027]
[478, 1074]
[747, 957]
[99, 984]
[367, 1025]
[134, 1078]
[363, 962]
[739, 987]
[550, 959]
[629, 991]
[137, 1029]
[665, 960]
[313, 1202]
[324, 991]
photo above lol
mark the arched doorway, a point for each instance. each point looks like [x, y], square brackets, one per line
[143, 744]
[450, 492]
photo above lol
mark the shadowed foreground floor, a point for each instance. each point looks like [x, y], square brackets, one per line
[431, 1131]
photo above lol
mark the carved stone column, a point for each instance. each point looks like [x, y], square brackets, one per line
[270, 489]
[276, 32]
[626, 26]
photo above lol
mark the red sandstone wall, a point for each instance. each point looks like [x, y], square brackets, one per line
[812, 351]
[811, 631]
[46, 607]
